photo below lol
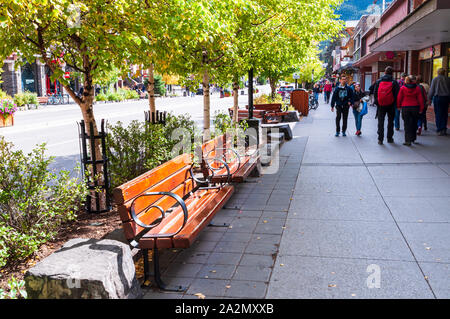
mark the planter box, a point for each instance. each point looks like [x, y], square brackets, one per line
[9, 121]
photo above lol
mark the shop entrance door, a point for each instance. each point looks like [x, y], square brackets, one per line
[426, 70]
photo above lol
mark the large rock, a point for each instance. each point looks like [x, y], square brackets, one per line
[85, 269]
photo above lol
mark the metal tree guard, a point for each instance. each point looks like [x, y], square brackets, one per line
[98, 191]
[158, 118]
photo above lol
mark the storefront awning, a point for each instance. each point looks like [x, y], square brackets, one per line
[427, 26]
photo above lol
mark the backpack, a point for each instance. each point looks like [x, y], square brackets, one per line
[385, 93]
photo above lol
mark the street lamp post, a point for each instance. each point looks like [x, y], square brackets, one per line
[250, 93]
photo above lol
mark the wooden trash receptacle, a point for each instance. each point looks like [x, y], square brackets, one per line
[300, 101]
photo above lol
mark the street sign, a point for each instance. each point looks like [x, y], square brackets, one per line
[296, 76]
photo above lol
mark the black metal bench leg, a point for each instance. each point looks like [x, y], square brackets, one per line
[161, 285]
[146, 266]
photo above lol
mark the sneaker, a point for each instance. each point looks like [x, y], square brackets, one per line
[397, 129]
[419, 131]
[337, 134]
[390, 140]
[343, 134]
[425, 127]
[441, 133]
[407, 143]
[380, 142]
[359, 133]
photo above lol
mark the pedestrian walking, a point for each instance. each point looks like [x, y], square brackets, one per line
[316, 92]
[425, 88]
[440, 96]
[342, 98]
[385, 94]
[410, 102]
[328, 88]
[401, 82]
[357, 108]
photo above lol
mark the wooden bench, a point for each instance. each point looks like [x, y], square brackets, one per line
[240, 166]
[243, 114]
[167, 207]
[43, 99]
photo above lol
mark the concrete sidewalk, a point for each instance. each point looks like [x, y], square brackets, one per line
[366, 221]
[339, 216]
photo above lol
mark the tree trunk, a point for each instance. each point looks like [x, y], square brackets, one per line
[235, 101]
[206, 107]
[273, 87]
[151, 92]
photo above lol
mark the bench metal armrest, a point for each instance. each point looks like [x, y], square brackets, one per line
[224, 157]
[135, 241]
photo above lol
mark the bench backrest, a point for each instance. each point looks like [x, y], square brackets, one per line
[274, 107]
[173, 176]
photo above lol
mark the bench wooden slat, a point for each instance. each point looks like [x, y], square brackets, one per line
[143, 182]
[199, 217]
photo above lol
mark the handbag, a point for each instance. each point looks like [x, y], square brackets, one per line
[357, 106]
[364, 110]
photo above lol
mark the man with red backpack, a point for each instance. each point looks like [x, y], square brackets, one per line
[385, 95]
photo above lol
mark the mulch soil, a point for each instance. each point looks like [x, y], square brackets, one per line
[87, 225]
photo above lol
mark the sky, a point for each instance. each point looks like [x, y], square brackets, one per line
[354, 9]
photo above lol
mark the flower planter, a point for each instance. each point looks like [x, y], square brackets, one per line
[227, 94]
[9, 121]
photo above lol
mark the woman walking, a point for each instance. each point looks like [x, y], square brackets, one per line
[410, 103]
[357, 107]
[424, 87]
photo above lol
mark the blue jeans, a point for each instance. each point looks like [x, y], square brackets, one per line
[316, 97]
[397, 119]
[441, 112]
[358, 119]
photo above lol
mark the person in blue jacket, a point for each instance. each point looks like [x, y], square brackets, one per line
[342, 99]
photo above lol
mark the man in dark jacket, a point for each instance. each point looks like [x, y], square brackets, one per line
[342, 98]
[385, 96]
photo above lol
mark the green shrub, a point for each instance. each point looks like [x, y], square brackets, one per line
[4, 96]
[134, 149]
[25, 98]
[223, 123]
[139, 147]
[16, 290]
[34, 201]
[101, 97]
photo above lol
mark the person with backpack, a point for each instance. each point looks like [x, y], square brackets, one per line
[342, 98]
[400, 82]
[440, 96]
[385, 95]
[410, 102]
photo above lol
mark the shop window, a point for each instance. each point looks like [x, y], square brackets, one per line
[28, 78]
[437, 64]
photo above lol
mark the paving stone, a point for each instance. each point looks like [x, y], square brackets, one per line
[352, 239]
[208, 287]
[428, 241]
[203, 246]
[250, 214]
[438, 275]
[419, 209]
[348, 207]
[189, 256]
[407, 171]
[265, 238]
[182, 270]
[160, 295]
[297, 277]
[224, 258]
[256, 260]
[246, 289]
[231, 236]
[417, 187]
[210, 236]
[252, 273]
[230, 247]
[261, 248]
[243, 224]
[213, 271]
[274, 214]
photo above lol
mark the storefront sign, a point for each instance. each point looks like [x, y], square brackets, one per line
[428, 53]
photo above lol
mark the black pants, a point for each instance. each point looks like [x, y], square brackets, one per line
[410, 117]
[341, 111]
[382, 112]
[327, 97]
